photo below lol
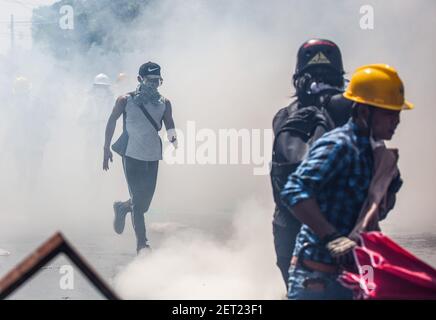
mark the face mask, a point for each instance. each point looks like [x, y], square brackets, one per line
[310, 88]
[317, 87]
[147, 91]
[152, 83]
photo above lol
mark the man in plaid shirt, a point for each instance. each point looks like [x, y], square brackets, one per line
[327, 191]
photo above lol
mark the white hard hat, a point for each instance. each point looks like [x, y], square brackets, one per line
[102, 79]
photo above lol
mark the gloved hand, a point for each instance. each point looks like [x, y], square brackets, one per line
[341, 249]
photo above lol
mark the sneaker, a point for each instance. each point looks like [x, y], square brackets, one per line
[120, 210]
[143, 251]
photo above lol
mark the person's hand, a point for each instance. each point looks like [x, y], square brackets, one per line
[175, 143]
[355, 234]
[341, 249]
[106, 157]
[172, 137]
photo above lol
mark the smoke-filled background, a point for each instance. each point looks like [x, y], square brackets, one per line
[225, 64]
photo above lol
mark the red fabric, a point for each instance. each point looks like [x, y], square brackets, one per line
[388, 271]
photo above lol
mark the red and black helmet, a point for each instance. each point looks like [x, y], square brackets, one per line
[319, 53]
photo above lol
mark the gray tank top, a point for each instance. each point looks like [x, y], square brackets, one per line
[144, 142]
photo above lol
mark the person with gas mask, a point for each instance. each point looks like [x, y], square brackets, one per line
[318, 108]
[140, 146]
[327, 191]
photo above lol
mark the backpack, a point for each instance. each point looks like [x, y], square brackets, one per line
[296, 127]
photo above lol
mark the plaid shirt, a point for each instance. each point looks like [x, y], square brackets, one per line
[337, 173]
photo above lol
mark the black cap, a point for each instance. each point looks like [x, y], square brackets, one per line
[149, 69]
[319, 53]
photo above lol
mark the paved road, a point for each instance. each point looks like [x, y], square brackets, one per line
[110, 253]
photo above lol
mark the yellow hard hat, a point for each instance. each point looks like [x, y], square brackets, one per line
[121, 77]
[378, 85]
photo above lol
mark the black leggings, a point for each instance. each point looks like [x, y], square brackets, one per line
[141, 179]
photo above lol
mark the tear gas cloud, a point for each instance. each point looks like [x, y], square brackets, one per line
[225, 64]
[191, 264]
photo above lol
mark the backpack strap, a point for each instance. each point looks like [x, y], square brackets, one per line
[292, 107]
[145, 112]
[302, 123]
[149, 117]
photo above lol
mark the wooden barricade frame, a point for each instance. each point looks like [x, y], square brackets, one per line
[50, 249]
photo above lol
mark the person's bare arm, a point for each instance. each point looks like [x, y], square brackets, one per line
[169, 124]
[339, 247]
[168, 116]
[117, 111]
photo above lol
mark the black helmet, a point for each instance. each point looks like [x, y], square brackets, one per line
[319, 53]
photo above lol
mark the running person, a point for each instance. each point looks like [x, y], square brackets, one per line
[143, 113]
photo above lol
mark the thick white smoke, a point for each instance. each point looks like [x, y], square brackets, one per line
[192, 264]
[226, 64]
